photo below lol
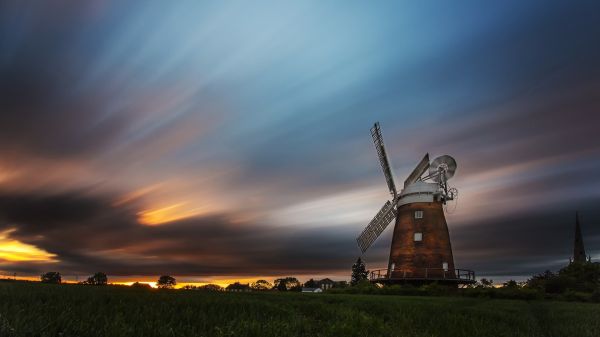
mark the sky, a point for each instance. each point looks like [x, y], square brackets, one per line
[230, 140]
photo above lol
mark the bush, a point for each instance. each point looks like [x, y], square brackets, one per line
[513, 293]
[139, 285]
[558, 284]
[478, 292]
[98, 279]
[436, 289]
[362, 287]
[576, 296]
[595, 297]
[51, 277]
[402, 290]
[582, 277]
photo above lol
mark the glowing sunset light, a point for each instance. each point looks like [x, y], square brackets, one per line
[134, 195]
[166, 214]
[151, 284]
[16, 251]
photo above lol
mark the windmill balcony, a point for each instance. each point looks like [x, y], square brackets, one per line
[423, 275]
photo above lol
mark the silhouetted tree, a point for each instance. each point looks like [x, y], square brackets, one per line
[141, 285]
[98, 279]
[189, 287]
[581, 276]
[261, 285]
[166, 282]
[212, 287]
[485, 283]
[280, 286]
[237, 286]
[510, 284]
[311, 284]
[577, 276]
[538, 281]
[288, 283]
[51, 277]
[359, 272]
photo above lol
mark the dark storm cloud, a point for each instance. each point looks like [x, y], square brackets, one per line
[44, 110]
[527, 242]
[88, 232]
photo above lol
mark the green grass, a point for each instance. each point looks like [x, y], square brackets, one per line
[33, 309]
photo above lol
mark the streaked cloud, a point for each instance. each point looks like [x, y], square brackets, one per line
[16, 251]
[231, 139]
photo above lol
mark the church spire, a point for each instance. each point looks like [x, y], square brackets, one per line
[578, 249]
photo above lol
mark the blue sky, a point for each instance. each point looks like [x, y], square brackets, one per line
[206, 136]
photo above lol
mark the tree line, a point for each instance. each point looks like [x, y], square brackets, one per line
[577, 281]
[289, 283]
[100, 279]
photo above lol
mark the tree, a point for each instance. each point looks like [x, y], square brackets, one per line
[212, 287]
[510, 284]
[141, 285]
[311, 284]
[359, 272]
[166, 282]
[281, 286]
[98, 279]
[189, 287]
[581, 276]
[51, 277]
[288, 283]
[261, 285]
[485, 283]
[575, 277]
[237, 286]
[539, 281]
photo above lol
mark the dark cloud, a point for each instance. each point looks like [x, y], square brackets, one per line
[521, 243]
[44, 111]
[89, 233]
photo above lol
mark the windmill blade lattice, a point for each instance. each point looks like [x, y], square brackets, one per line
[386, 214]
[383, 159]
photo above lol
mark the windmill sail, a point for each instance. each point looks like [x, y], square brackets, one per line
[418, 171]
[383, 159]
[376, 226]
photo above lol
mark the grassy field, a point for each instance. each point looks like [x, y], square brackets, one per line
[32, 309]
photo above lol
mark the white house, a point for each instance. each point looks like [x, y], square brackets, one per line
[312, 290]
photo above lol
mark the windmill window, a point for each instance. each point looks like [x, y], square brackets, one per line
[418, 236]
[418, 214]
[445, 266]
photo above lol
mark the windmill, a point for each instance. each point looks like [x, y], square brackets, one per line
[420, 250]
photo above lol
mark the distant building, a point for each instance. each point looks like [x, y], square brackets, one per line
[312, 290]
[238, 287]
[325, 284]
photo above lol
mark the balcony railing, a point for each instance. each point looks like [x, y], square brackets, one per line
[423, 274]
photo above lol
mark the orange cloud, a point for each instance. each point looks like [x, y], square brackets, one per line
[16, 251]
[166, 214]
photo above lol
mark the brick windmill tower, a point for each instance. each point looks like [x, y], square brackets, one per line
[421, 251]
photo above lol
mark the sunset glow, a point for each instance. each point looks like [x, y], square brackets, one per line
[166, 214]
[15, 251]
